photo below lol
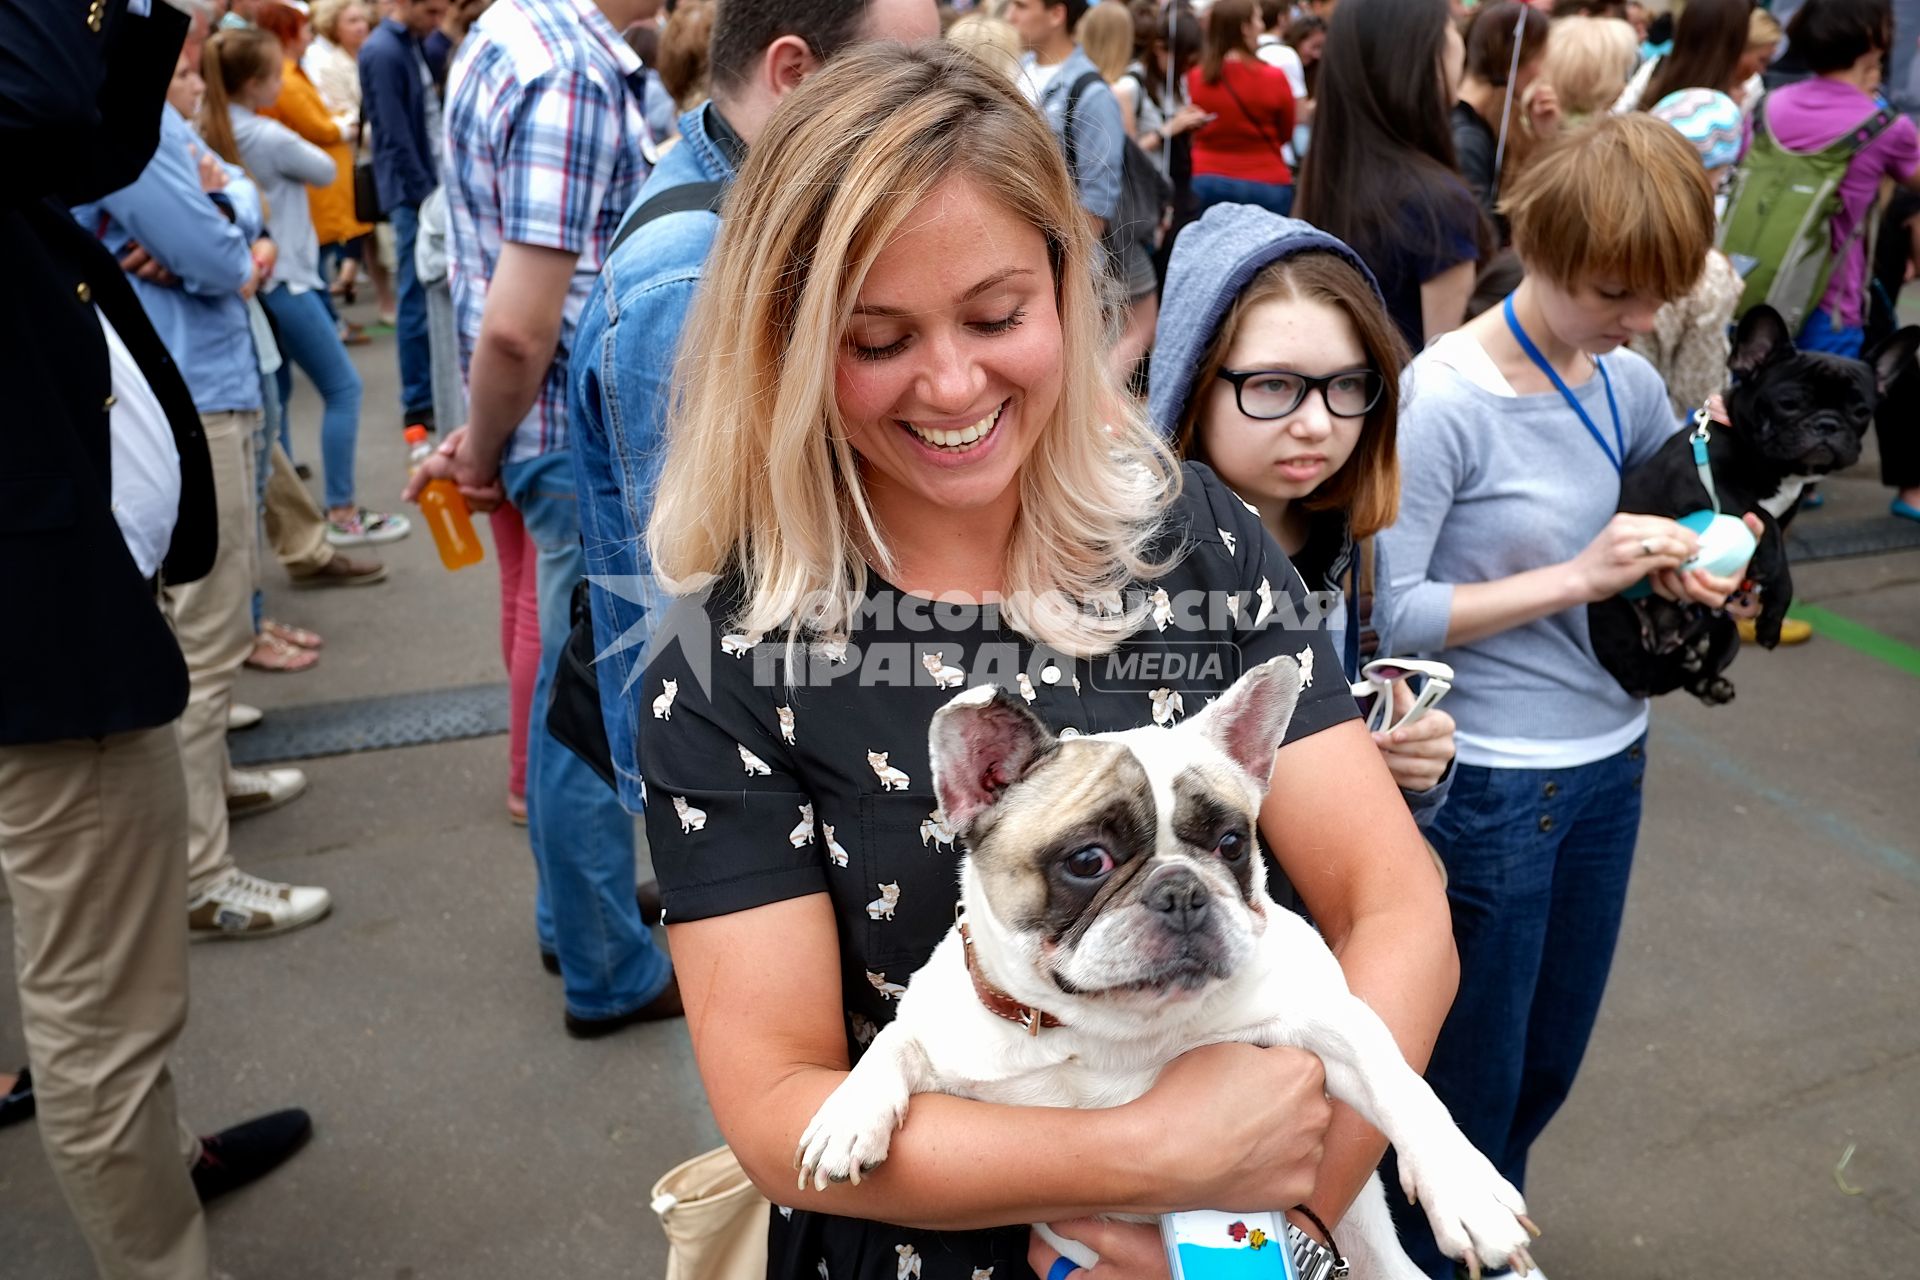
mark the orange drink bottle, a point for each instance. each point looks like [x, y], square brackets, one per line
[444, 510]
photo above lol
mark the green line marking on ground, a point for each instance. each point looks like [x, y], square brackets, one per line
[1901, 657]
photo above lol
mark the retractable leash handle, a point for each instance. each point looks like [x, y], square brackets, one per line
[1726, 544]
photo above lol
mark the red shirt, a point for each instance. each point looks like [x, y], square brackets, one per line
[1254, 104]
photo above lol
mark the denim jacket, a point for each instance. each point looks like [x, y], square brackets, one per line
[622, 373]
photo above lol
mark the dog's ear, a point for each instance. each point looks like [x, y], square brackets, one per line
[1250, 719]
[1761, 336]
[981, 743]
[1893, 353]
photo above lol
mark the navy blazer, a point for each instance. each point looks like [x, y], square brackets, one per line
[85, 650]
[393, 102]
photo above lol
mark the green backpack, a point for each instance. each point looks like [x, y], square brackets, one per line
[1780, 216]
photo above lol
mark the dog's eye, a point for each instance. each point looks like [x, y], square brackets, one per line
[1089, 863]
[1232, 846]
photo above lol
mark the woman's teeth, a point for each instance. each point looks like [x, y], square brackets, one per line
[958, 439]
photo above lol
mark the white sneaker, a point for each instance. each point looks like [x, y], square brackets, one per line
[238, 905]
[241, 716]
[364, 528]
[251, 791]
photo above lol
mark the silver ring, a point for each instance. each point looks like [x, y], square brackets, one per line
[1646, 547]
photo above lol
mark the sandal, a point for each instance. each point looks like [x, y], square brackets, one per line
[298, 637]
[271, 653]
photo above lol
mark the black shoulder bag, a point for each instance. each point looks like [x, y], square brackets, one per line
[366, 191]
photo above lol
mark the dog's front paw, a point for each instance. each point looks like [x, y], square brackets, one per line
[1477, 1216]
[849, 1135]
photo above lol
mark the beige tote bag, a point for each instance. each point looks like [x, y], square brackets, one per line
[715, 1220]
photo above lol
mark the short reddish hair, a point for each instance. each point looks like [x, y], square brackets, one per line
[1623, 199]
[284, 22]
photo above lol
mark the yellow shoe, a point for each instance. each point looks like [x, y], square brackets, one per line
[1792, 631]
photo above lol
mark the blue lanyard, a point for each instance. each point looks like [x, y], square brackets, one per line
[1616, 456]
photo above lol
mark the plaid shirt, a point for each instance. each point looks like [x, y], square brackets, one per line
[546, 146]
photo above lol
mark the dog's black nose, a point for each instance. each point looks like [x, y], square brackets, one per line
[1180, 899]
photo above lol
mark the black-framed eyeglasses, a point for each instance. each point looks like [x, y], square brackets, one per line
[1274, 393]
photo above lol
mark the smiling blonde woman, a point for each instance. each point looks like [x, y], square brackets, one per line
[760, 469]
[893, 411]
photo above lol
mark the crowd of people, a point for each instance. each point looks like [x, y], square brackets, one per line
[776, 320]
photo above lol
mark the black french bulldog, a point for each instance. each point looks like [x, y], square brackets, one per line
[1796, 415]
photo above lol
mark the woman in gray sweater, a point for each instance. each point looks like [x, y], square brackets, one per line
[1514, 434]
[243, 69]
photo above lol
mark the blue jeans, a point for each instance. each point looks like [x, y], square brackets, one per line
[1537, 863]
[1819, 333]
[582, 839]
[416, 357]
[310, 339]
[1210, 189]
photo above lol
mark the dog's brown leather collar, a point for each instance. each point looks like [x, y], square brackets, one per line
[998, 1002]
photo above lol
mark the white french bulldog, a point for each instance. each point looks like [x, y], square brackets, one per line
[1153, 937]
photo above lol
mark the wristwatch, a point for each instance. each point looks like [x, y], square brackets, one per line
[1313, 1260]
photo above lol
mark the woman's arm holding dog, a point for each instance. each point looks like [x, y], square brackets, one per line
[1228, 1126]
[1334, 821]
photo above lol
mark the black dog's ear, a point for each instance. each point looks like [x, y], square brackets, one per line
[1894, 353]
[1762, 335]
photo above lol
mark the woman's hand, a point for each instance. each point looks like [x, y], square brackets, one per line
[1232, 1127]
[1416, 755]
[1697, 586]
[1128, 1250]
[1184, 120]
[1630, 548]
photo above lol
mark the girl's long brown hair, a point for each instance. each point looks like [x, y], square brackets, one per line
[232, 58]
[1226, 33]
[1367, 488]
[1708, 38]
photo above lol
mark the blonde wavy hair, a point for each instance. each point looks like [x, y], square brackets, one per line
[1589, 61]
[760, 480]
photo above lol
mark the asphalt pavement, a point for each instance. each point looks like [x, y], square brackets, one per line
[1762, 1022]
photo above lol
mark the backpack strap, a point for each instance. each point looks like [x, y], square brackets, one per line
[687, 198]
[1072, 148]
[1875, 125]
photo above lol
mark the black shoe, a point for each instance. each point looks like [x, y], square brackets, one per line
[646, 897]
[234, 1157]
[661, 1007]
[17, 1104]
[302, 470]
[419, 418]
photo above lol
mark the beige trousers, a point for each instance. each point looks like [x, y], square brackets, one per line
[91, 840]
[296, 526]
[213, 620]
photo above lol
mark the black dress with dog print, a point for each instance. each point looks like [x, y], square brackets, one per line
[762, 788]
